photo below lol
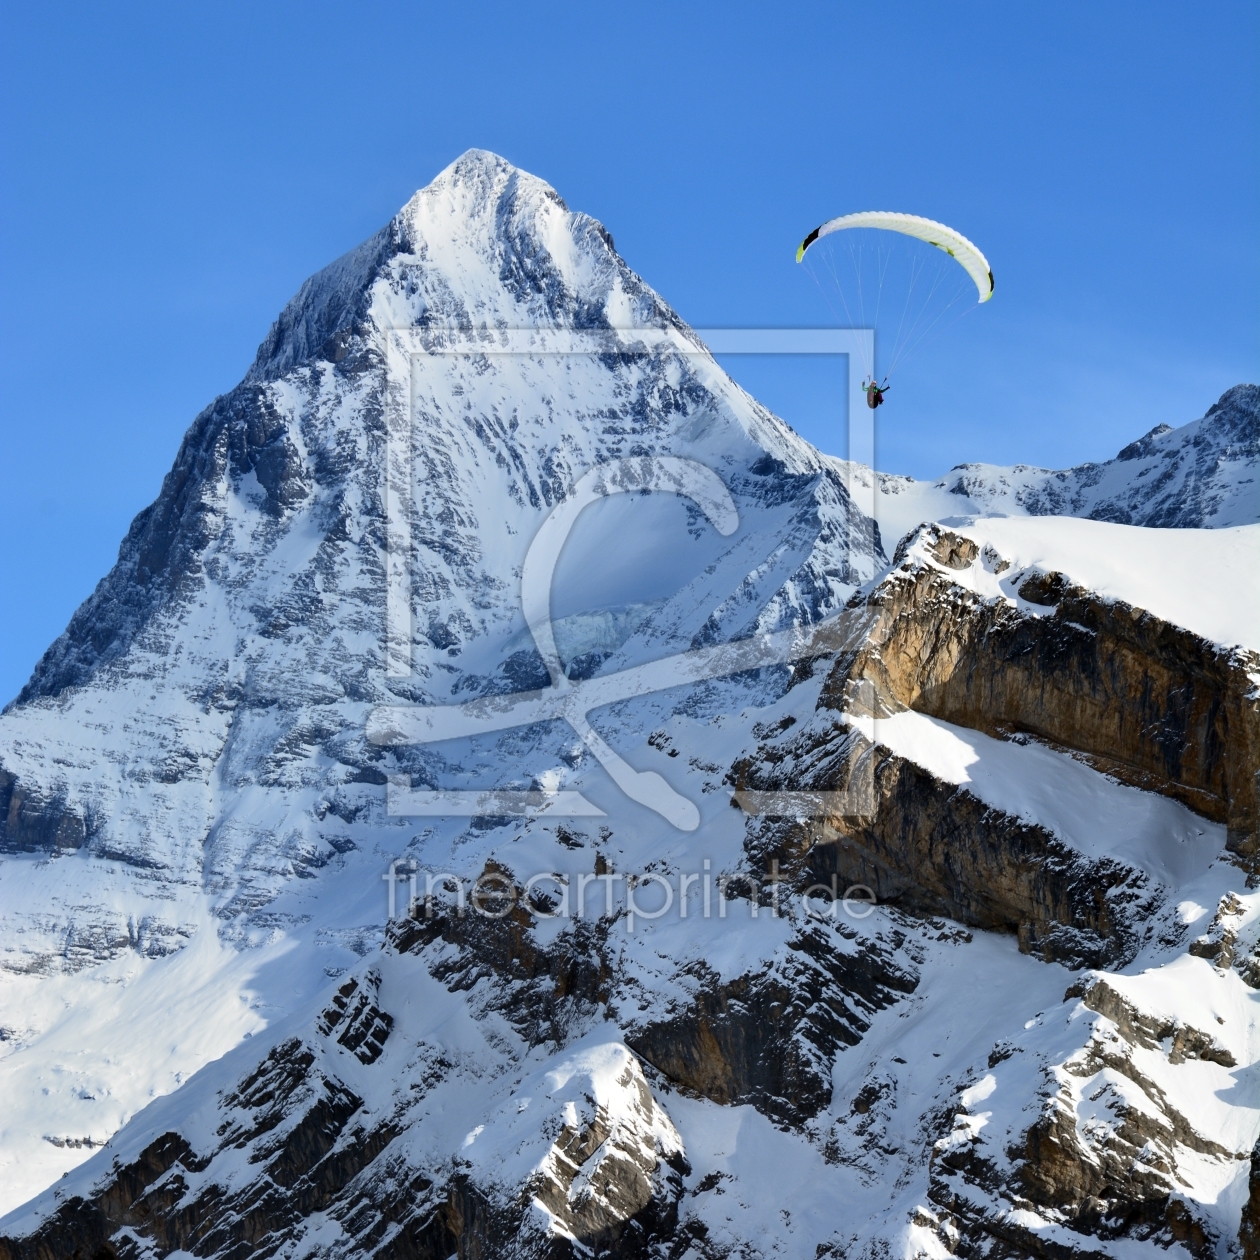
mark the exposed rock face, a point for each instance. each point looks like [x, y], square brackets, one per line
[765, 1037]
[1146, 702]
[321, 1145]
[770, 1038]
[1110, 1152]
[34, 823]
[284, 1118]
[1149, 702]
[933, 848]
[599, 1168]
[359, 1023]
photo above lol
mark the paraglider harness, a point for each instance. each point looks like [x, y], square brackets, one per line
[875, 393]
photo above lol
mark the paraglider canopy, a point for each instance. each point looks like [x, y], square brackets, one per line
[957, 246]
[906, 277]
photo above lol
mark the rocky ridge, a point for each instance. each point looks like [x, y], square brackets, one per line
[1201, 475]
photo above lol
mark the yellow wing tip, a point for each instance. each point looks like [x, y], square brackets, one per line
[800, 252]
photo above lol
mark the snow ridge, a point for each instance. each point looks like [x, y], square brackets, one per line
[1203, 475]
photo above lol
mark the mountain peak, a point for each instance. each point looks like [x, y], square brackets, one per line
[476, 182]
[483, 247]
[1144, 444]
[484, 244]
[1201, 475]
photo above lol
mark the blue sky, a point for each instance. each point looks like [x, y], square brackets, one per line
[171, 174]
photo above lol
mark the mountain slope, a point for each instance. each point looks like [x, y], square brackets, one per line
[194, 745]
[538, 1083]
[962, 918]
[1203, 475]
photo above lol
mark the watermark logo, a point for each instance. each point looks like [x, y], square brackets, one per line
[574, 701]
[635, 899]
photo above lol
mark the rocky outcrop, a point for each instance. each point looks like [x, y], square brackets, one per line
[35, 822]
[1167, 1033]
[580, 1158]
[1116, 1136]
[356, 1018]
[766, 1037]
[769, 1038]
[1151, 703]
[1231, 941]
[1148, 703]
[544, 991]
[611, 1178]
[598, 1170]
[286, 1117]
[1098, 1146]
[931, 847]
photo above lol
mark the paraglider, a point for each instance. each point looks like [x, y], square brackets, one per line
[906, 276]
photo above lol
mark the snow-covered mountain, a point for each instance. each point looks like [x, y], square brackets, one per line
[1204, 475]
[194, 744]
[785, 923]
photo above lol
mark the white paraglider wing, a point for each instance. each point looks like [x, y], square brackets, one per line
[945, 238]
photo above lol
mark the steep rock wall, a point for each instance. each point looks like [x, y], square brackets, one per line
[1152, 703]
